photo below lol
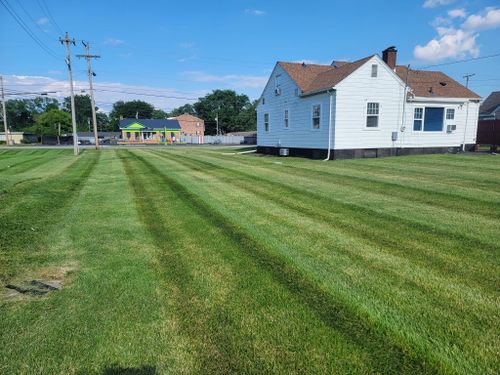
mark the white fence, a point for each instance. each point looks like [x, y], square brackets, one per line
[217, 139]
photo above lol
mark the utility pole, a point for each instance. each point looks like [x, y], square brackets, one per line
[467, 77]
[88, 56]
[4, 114]
[66, 40]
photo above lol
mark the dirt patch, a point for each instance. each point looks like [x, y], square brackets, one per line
[42, 282]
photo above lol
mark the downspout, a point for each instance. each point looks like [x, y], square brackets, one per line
[330, 127]
[404, 106]
[465, 127]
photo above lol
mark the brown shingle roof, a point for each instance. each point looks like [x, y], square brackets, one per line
[312, 77]
[421, 82]
[491, 103]
[303, 74]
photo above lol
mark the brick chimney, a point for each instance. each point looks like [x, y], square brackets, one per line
[389, 55]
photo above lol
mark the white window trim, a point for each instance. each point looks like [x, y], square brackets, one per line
[446, 114]
[422, 131]
[312, 114]
[366, 116]
[288, 112]
[413, 120]
[376, 71]
[268, 123]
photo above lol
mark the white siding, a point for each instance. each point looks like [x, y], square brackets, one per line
[349, 113]
[411, 138]
[300, 132]
[353, 94]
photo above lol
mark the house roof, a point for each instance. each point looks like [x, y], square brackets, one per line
[312, 78]
[188, 117]
[431, 84]
[491, 103]
[151, 124]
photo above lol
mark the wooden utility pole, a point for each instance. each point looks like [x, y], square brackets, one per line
[88, 56]
[4, 114]
[66, 40]
[467, 77]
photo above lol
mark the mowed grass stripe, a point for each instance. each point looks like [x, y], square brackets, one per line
[482, 240]
[30, 211]
[432, 192]
[25, 163]
[418, 247]
[383, 356]
[110, 315]
[454, 348]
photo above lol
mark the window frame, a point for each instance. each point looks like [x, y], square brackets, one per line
[422, 129]
[447, 111]
[286, 118]
[266, 122]
[374, 72]
[377, 115]
[316, 117]
[421, 119]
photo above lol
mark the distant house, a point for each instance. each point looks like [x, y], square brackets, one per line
[191, 125]
[490, 108]
[150, 130]
[366, 108]
[17, 138]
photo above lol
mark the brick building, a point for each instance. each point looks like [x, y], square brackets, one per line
[191, 125]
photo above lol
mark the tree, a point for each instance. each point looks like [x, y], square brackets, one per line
[130, 110]
[22, 113]
[159, 114]
[186, 108]
[83, 111]
[103, 123]
[227, 105]
[48, 123]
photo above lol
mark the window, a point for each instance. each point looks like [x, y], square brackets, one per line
[277, 88]
[316, 116]
[450, 114]
[374, 70]
[418, 116]
[372, 112]
[266, 122]
[433, 120]
[430, 119]
[286, 119]
[263, 100]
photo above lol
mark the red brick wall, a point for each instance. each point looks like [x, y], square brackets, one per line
[191, 125]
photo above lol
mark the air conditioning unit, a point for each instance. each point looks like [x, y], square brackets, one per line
[284, 151]
[277, 91]
[451, 128]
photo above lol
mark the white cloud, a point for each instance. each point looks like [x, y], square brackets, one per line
[113, 42]
[436, 3]
[255, 12]
[457, 13]
[106, 93]
[489, 20]
[42, 21]
[232, 80]
[451, 43]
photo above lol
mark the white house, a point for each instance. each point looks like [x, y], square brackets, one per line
[366, 108]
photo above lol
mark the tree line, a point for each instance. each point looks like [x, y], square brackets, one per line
[47, 116]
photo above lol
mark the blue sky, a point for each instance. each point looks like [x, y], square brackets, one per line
[178, 51]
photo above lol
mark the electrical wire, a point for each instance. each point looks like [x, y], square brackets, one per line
[462, 61]
[26, 28]
[47, 12]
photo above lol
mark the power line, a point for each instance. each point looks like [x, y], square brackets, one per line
[462, 61]
[47, 12]
[26, 28]
[32, 19]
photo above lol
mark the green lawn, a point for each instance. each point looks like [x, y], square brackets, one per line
[194, 261]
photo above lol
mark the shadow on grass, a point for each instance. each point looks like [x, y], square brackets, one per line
[143, 370]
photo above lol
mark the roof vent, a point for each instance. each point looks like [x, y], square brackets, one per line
[443, 83]
[303, 64]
